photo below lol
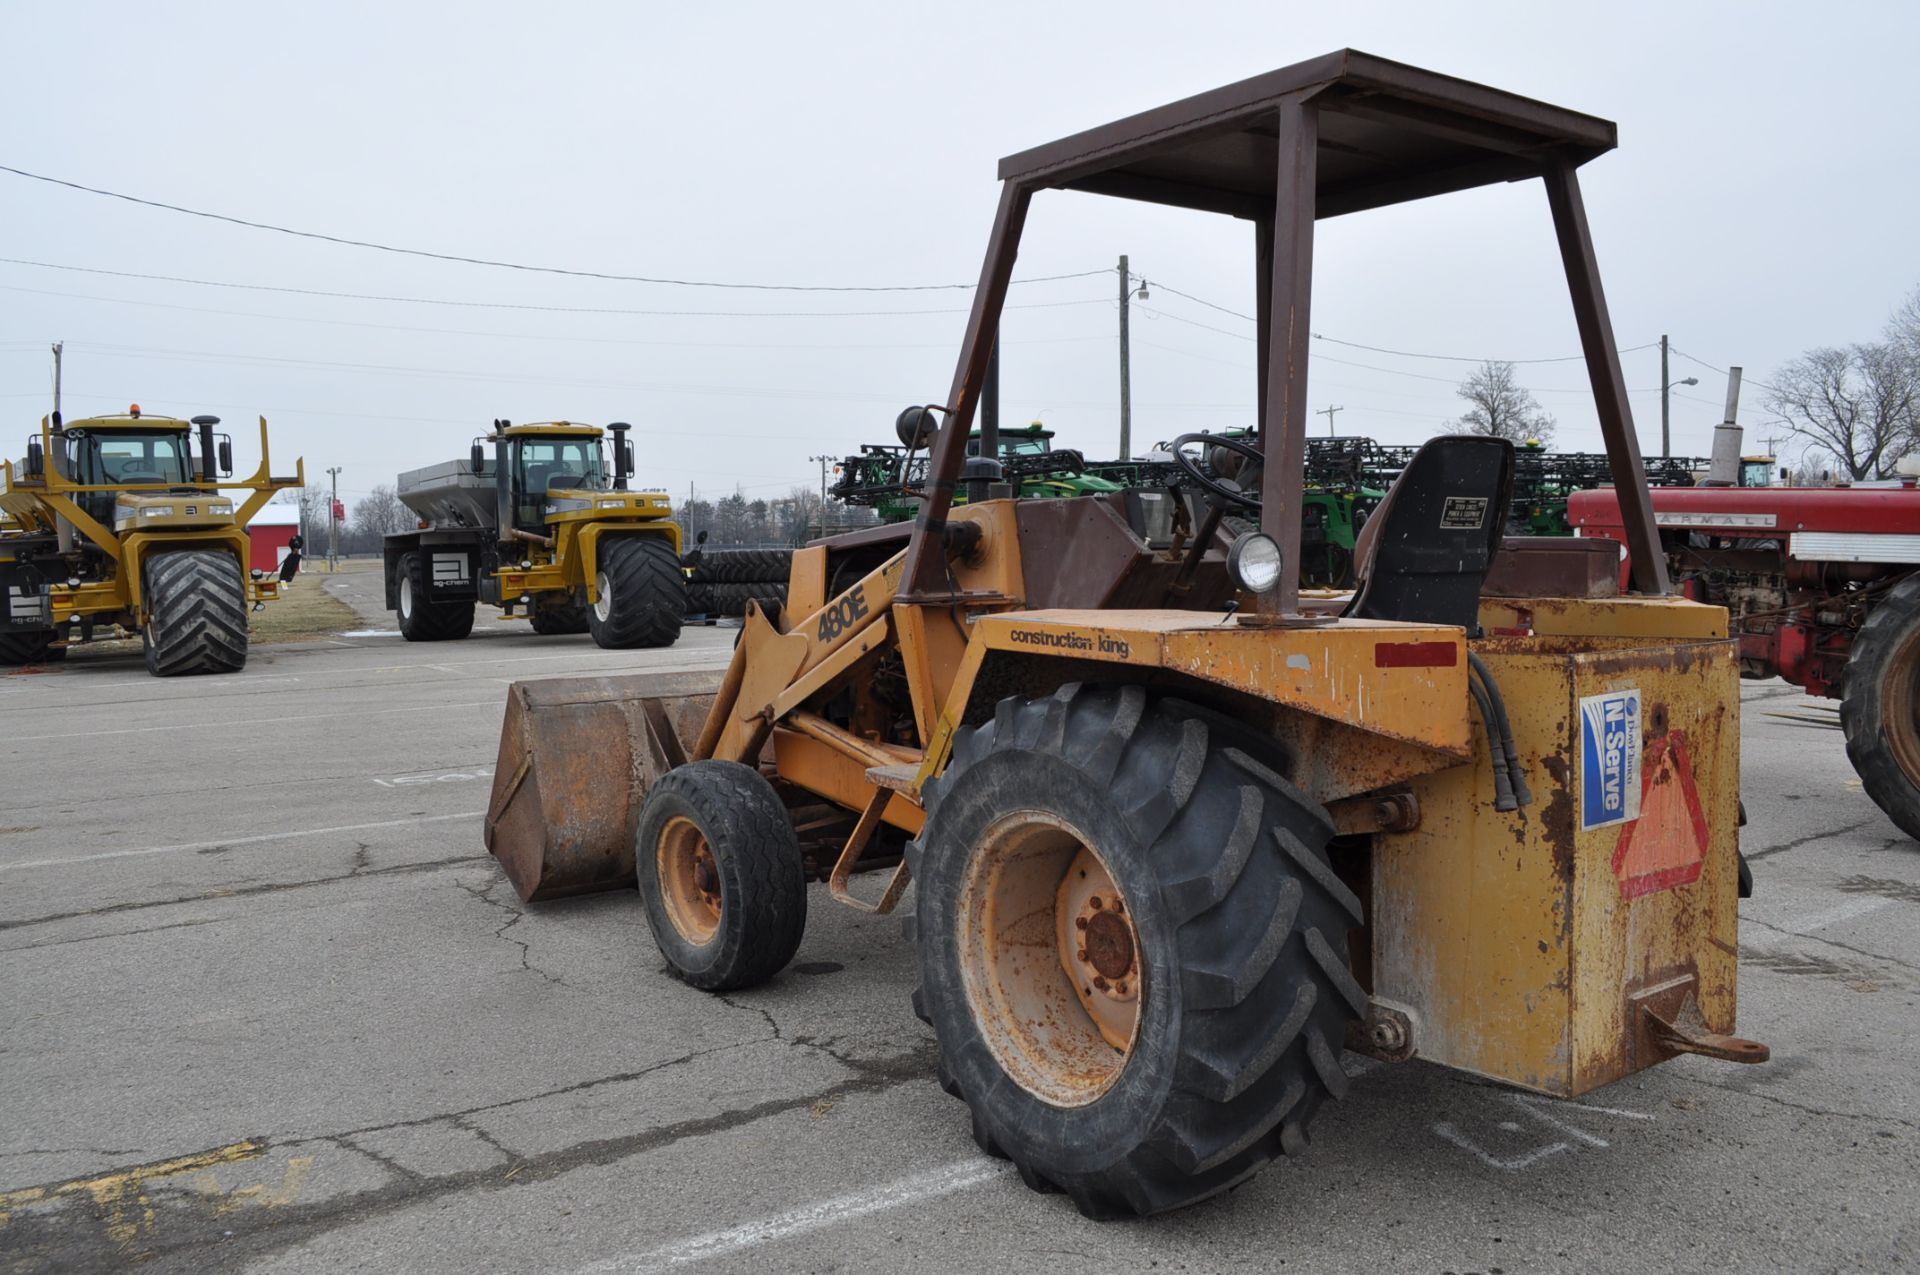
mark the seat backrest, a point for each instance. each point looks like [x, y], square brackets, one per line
[1424, 552]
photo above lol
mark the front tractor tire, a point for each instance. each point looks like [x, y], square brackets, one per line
[1880, 705]
[721, 875]
[196, 602]
[1132, 947]
[642, 594]
[421, 620]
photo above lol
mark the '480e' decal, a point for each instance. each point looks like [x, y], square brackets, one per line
[844, 613]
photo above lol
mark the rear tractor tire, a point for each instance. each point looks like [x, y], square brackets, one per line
[1132, 947]
[196, 602]
[1880, 705]
[421, 620]
[33, 647]
[643, 594]
[721, 875]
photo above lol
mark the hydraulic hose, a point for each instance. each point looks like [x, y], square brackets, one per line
[1503, 798]
[1518, 778]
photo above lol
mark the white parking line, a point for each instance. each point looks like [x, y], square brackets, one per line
[257, 721]
[806, 1218]
[238, 841]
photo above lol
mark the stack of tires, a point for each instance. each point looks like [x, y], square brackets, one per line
[724, 580]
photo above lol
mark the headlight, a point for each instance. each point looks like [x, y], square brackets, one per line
[1254, 562]
[156, 511]
[220, 509]
[613, 504]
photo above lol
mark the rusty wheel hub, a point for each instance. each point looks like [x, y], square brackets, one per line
[689, 880]
[1049, 959]
[1099, 949]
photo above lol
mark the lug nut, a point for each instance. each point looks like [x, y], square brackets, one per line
[1095, 903]
[1081, 954]
[1100, 983]
[1080, 923]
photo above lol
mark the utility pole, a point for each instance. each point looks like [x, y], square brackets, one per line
[58, 346]
[1666, 435]
[823, 490]
[1328, 413]
[1126, 379]
[333, 507]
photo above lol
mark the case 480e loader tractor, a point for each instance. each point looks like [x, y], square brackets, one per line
[1171, 854]
[537, 525]
[114, 522]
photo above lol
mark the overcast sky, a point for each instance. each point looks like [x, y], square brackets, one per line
[1763, 200]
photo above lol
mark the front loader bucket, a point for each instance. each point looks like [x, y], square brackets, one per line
[577, 755]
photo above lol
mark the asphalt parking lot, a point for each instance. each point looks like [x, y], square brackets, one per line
[268, 1006]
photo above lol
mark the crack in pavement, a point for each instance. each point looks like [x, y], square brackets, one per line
[515, 915]
[241, 892]
[1767, 852]
[1801, 1106]
[209, 1238]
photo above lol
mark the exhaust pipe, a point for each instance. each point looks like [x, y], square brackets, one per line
[1724, 469]
[56, 462]
[502, 484]
[209, 471]
[620, 472]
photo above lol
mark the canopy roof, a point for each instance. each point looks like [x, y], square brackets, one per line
[1387, 133]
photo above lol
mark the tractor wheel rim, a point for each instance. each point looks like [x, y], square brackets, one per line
[406, 597]
[603, 605]
[1049, 958]
[689, 880]
[1900, 708]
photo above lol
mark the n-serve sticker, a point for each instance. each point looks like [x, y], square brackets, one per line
[1609, 758]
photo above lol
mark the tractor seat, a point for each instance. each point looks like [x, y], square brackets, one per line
[1424, 553]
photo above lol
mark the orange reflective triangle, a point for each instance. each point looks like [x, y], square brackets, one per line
[1667, 845]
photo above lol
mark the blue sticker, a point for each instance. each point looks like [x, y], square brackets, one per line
[1609, 759]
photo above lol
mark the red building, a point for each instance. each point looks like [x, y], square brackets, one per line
[271, 530]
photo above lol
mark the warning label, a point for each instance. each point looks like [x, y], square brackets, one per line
[1609, 758]
[1464, 513]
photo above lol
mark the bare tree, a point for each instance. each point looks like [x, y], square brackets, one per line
[380, 513]
[1499, 406]
[1860, 403]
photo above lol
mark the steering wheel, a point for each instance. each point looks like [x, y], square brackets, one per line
[1232, 494]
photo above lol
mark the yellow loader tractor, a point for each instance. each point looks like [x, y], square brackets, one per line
[114, 523]
[1177, 834]
[531, 522]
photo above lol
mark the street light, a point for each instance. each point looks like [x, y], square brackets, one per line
[1666, 440]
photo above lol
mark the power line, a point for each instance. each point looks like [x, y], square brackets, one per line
[1722, 371]
[517, 265]
[1408, 354]
[549, 309]
[1462, 358]
[537, 336]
